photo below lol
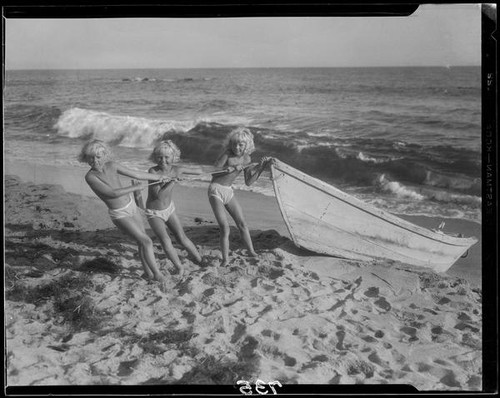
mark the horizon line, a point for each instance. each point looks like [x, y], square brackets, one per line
[249, 67]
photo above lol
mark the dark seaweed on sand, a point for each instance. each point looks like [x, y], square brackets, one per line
[101, 265]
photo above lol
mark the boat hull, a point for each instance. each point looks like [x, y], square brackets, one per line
[326, 220]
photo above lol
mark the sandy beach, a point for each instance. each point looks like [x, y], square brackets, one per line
[77, 311]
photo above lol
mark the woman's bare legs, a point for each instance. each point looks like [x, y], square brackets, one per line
[147, 272]
[133, 227]
[220, 216]
[158, 227]
[234, 209]
[175, 226]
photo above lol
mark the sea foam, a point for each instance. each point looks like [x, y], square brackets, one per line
[128, 131]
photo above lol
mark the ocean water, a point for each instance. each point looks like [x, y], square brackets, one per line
[407, 140]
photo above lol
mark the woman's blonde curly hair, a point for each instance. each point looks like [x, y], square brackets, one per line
[165, 146]
[240, 134]
[91, 148]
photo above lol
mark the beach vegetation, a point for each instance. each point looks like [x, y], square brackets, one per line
[173, 336]
[100, 265]
[68, 295]
[360, 367]
[220, 371]
[152, 347]
[79, 312]
[157, 343]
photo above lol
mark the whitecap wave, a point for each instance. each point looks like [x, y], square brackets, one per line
[127, 131]
[370, 159]
[398, 189]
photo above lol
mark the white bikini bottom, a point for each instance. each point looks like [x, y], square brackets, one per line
[164, 214]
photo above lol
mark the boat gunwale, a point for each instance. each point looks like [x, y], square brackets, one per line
[362, 206]
[280, 205]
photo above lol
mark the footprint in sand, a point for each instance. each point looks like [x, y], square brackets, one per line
[208, 292]
[190, 317]
[437, 330]
[373, 357]
[277, 354]
[239, 331]
[447, 376]
[340, 344]
[430, 311]
[267, 287]
[360, 367]
[442, 362]
[450, 380]
[423, 367]
[462, 326]
[126, 368]
[269, 333]
[472, 341]
[372, 292]
[464, 317]
[387, 374]
[443, 300]
[289, 361]
[381, 302]
[368, 339]
[253, 260]
[474, 382]
[399, 358]
[248, 348]
[320, 358]
[259, 282]
[410, 331]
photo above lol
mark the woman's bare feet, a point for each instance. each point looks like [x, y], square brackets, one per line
[203, 263]
[179, 271]
[148, 275]
[196, 259]
[163, 283]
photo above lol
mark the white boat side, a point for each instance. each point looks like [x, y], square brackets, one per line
[326, 220]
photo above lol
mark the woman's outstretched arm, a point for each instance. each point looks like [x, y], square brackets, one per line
[103, 189]
[254, 170]
[138, 175]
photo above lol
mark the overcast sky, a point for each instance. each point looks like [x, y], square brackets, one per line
[446, 34]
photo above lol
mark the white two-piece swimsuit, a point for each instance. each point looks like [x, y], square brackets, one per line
[126, 211]
[164, 214]
[223, 193]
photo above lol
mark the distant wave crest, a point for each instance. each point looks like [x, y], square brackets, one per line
[436, 195]
[370, 159]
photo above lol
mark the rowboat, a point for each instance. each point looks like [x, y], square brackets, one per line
[326, 220]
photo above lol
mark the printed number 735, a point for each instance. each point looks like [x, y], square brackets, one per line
[260, 387]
